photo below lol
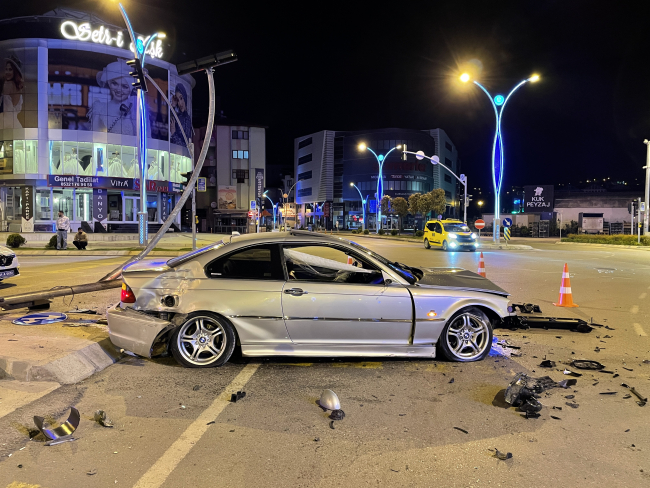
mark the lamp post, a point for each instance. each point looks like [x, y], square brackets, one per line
[498, 103]
[647, 187]
[381, 158]
[462, 178]
[272, 204]
[363, 207]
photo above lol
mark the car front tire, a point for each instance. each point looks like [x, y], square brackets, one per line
[467, 336]
[445, 246]
[427, 245]
[204, 340]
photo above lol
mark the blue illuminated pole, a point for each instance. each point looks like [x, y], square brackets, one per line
[363, 207]
[498, 104]
[381, 158]
[273, 204]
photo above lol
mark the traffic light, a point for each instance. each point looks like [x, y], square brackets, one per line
[187, 176]
[631, 207]
[137, 73]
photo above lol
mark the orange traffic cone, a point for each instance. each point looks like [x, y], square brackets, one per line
[350, 260]
[481, 267]
[566, 298]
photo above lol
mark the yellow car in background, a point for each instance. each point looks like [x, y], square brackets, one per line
[450, 235]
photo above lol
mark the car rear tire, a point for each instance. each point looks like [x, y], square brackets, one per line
[426, 244]
[467, 336]
[204, 340]
[445, 246]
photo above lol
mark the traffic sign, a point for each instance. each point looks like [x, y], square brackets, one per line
[253, 205]
[479, 224]
[201, 184]
[41, 318]
[506, 233]
[507, 222]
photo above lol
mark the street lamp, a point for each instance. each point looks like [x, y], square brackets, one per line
[647, 187]
[480, 203]
[272, 204]
[363, 207]
[436, 160]
[381, 158]
[498, 103]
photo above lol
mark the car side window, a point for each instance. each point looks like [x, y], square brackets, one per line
[438, 228]
[252, 263]
[431, 226]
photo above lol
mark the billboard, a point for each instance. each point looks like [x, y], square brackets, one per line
[227, 196]
[92, 91]
[19, 88]
[538, 198]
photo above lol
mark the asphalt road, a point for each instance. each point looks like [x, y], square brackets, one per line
[407, 423]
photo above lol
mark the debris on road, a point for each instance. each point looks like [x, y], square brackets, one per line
[547, 363]
[586, 364]
[337, 414]
[102, 419]
[64, 430]
[567, 383]
[502, 455]
[462, 430]
[91, 472]
[524, 308]
[329, 400]
[235, 397]
[642, 400]
[521, 392]
[555, 418]
[608, 392]
[451, 381]
[196, 387]
[60, 440]
[83, 310]
[571, 373]
[572, 405]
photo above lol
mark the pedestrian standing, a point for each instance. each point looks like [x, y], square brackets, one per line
[80, 240]
[62, 229]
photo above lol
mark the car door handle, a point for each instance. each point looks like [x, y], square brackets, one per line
[296, 292]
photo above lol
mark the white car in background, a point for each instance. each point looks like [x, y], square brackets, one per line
[8, 263]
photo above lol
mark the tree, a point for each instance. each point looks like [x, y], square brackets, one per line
[386, 204]
[414, 204]
[434, 201]
[400, 208]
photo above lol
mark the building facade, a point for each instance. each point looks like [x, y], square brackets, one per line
[68, 126]
[234, 172]
[327, 162]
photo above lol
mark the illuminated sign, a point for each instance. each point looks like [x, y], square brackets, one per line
[102, 35]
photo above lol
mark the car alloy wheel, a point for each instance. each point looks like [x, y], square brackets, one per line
[445, 246]
[204, 340]
[467, 336]
[426, 244]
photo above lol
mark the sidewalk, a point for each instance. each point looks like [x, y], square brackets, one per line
[64, 352]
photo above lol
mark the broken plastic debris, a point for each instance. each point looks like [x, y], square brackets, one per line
[586, 364]
[65, 429]
[83, 310]
[91, 472]
[502, 455]
[462, 430]
[642, 400]
[337, 414]
[451, 380]
[329, 400]
[571, 373]
[237, 396]
[60, 440]
[547, 363]
[567, 383]
[608, 392]
[556, 418]
[102, 419]
[572, 405]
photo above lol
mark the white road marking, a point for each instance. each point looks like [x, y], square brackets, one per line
[160, 471]
[642, 296]
[634, 309]
[639, 330]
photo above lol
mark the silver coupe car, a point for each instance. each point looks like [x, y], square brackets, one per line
[301, 294]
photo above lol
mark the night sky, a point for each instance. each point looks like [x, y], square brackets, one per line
[308, 66]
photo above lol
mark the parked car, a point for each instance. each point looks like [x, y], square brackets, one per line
[301, 294]
[9, 266]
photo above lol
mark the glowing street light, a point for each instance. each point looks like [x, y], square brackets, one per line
[498, 103]
[381, 158]
[272, 204]
[480, 203]
[363, 207]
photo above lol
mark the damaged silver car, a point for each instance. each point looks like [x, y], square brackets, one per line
[301, 294]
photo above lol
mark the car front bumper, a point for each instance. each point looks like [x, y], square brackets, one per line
[6, 273]
[135, 331]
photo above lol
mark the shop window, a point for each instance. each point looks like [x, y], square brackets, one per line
[83, 205]
[129, 163]
[101, 159]
[85, 159]
[6, 157]
[113, 158]
[13, 208]
[152, 164]
[56, 159]
[163, 165]
[62, 202]
[19, 157]
[43, 204]
[174, 168]
[70, 158]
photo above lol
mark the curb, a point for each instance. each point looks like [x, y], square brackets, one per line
[96, 253]
[512, 247]
[67, 370]
[620, 246]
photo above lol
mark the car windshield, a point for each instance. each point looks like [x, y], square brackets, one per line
[173, 262]
[456, 228]
[404, 271]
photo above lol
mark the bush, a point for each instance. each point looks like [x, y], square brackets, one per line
[419, 233]
[617, 239]
[354, 231]
[366, 232]
[381, 232]
[52, 243]
[524, 231]
[393, 232]
[15, 240]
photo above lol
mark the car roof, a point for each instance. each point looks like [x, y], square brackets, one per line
[446, 221]
[289, 236]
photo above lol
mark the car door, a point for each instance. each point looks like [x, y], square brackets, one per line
[436, 237]
[328, 302]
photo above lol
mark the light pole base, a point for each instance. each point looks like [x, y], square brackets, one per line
[143, 232]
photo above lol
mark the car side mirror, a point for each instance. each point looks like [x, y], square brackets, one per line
[387, 279]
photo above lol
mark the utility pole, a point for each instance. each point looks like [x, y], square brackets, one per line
[647, 186]
[193, 202]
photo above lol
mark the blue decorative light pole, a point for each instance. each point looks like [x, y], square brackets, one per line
[381, 158]
[498, 103]
[363, 207]
[273, 205]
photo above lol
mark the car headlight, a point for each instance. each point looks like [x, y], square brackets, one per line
[452, 244]
[453, 236]
[472, 235]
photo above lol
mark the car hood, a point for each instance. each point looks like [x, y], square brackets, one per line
[458, 278]
[5, 251]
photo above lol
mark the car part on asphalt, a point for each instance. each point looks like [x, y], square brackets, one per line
[337, 414]
[502, 455]
[529, 322]
[83, 310]
[572, 405]
[235, 397]
[567, 383]
[547, 363]
[40, 318]
[555, 418]
[329, 400]
[522, 392]
[571, 373]
[608, 392]
[102, 419]
[462, 430]
[642, 400]
[586, 364]
[524, 308]
[65, 429]
[60, 440]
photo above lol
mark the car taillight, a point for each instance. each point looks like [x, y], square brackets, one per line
[127, 294]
